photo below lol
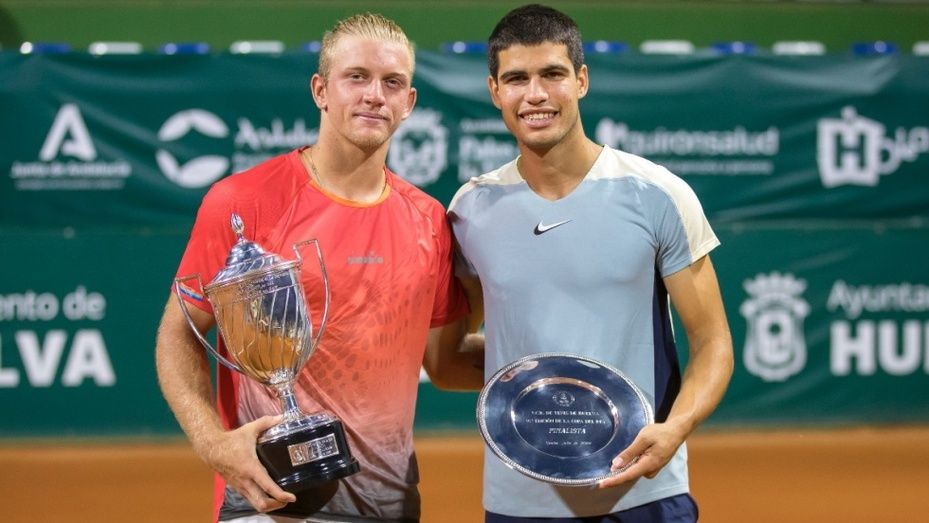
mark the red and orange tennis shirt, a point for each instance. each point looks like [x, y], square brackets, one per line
[389, 268]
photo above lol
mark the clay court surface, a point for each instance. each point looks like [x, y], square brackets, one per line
[852, 475]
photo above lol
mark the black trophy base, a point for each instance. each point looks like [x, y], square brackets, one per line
[307, 457]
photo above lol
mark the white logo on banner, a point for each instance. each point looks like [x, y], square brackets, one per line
[869, 339]
[854, 150]
[255, 144]
[484, 145]
[45, 355]
[724, 152]
[775, 348]
[69, 136]
[419, 152]
[68, 160]
[201, 171]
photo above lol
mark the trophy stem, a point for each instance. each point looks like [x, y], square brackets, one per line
[288, 399]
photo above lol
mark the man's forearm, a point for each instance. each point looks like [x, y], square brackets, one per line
[184, 377]
[704, 382]
[454, 359]
[696, 297]
[190, 399]
[466, 372]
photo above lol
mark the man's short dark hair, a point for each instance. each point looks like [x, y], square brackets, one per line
[534, 24]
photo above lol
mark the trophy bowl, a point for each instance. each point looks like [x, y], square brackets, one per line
[262, 316]
[561, 418]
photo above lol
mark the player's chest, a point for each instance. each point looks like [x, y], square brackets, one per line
[573, 245]
[361, 247]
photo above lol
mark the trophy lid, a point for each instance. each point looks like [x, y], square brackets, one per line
[245, 257]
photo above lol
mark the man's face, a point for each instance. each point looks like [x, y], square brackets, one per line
[537, 92]
[368, 92]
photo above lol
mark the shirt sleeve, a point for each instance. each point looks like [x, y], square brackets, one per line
[462, 265]
[210, 241]
[683, 233]
[450, 302]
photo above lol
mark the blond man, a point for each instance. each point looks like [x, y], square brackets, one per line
[395, 304]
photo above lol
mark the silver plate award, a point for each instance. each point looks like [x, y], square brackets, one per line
[561, 418]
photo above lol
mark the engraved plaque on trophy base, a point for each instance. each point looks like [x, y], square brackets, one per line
[306, 453]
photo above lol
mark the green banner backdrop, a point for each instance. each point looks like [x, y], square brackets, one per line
[813, 170]
[135, 141]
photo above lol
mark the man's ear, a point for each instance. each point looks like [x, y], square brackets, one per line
[411, 103]
[492, 87]
[583, 81]
[318, 90]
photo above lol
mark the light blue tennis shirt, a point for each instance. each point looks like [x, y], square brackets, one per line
[582, 274]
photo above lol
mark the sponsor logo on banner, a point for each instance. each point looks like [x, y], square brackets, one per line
[200, 171]
[868, 340]
[68, 160]
[865, 342]
[73, 356]
[484, 145]
[419, 150]
[255, 144]
[728, 152]
[775, 348]
[855, 150]
[252, 144]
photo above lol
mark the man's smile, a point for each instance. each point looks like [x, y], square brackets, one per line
[538, 117]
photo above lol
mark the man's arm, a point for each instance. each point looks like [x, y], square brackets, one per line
[694, 291]
[454, 357]
[184, 376]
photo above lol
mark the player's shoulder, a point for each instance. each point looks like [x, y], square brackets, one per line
[614, 163]
[260, 195]
[274, 178]
[499, 178]
[644, 173]
[418, 198]
[506, 174]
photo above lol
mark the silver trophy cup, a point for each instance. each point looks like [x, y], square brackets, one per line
[261, 313]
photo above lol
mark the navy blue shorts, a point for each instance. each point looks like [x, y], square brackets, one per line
[676, 509]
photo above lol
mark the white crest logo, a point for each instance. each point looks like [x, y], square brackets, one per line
[69, 136]
[419, 152]
[201, 171]
[854, 150]
[775, 348]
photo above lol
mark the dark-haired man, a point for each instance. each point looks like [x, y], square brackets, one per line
[578, 248]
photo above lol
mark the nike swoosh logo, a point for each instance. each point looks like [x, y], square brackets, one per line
[541, 228]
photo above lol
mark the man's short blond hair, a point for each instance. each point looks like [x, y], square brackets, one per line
[366, 25]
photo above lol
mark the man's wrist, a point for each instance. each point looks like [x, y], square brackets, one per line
[681, 425]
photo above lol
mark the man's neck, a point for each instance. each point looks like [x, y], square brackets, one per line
[554, 173]
[347, 171]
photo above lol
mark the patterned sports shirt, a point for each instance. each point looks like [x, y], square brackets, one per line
[390, 272]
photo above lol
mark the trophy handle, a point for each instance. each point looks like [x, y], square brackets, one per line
[190, 322]
[322, 270]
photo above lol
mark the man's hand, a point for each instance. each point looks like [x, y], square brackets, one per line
[233, 456]
[655, 446]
